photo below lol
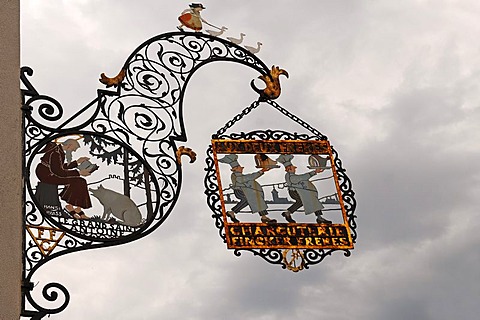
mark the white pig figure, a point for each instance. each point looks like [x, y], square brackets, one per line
[119, 205]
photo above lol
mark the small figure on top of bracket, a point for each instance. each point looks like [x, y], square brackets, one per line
[192, 19]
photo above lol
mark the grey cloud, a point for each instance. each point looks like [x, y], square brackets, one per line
[393, 86]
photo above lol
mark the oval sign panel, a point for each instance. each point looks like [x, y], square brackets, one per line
[93, 186]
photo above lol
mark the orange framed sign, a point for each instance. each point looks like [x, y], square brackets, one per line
[280, 194]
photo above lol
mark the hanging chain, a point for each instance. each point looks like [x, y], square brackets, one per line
[237, 118]
[284, 111]
[297, 119]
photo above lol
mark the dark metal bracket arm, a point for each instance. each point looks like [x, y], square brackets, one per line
[134, 126]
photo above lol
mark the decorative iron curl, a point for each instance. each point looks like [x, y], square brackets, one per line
[213, 196]
[50, 109]
[315, 256]
[32, 216]
[348, 195]
[267, 135]
[32, 255]
[51, 292]
[34, 258]
[273, 256]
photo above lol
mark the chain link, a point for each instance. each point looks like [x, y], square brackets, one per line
[297, 119]
[237, 118]
[284, 111]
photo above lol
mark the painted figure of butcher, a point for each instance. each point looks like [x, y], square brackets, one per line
[247, 190]
[302, 190]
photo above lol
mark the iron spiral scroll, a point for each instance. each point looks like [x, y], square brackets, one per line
[137, 125]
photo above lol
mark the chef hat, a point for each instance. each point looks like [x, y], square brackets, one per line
[285, 159]
[230, 159]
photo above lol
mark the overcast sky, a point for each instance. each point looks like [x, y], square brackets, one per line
[395, 85]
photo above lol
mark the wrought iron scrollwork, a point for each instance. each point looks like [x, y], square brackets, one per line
[347, 194]
[52, 293]
[136, 124]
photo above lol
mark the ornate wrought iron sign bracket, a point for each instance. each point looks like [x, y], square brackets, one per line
[111, 173]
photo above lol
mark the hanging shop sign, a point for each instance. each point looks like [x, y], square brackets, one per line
[293, 193]
[110, 172]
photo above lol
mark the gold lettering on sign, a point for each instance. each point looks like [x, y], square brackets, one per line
[45, 238]
[253, 235]
[271, 147]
